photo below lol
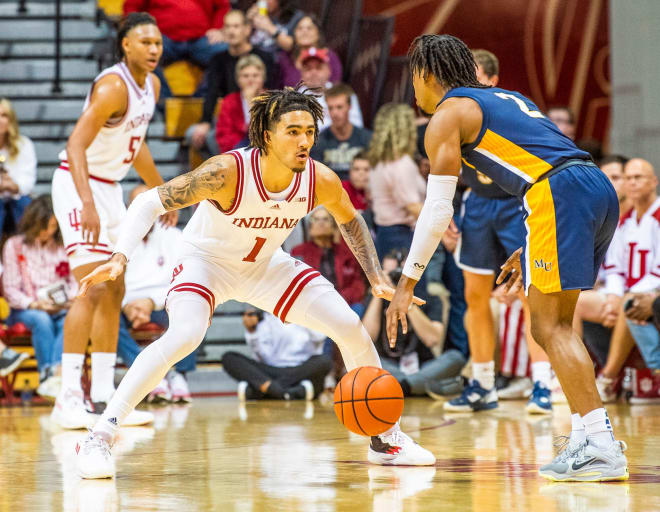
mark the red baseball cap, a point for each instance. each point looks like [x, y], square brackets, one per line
[315, 53]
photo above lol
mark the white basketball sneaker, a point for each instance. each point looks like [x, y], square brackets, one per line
[69, 411]
[134, 419]
[398, 449]
[93, 458]
[179, 387]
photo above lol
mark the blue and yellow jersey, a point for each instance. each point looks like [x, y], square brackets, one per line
[517, 144]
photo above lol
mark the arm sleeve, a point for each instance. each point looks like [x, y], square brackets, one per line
[431, 224]
[12, 280]
[141, 215]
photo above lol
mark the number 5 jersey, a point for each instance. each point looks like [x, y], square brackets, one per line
[109, 158]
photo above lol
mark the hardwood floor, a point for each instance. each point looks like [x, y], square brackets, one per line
[272, 456]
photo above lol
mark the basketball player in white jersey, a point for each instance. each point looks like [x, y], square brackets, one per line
[107, 140]
[249, 201]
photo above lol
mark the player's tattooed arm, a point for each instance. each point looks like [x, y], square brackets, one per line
[358, 238]
[212, 179]
[330, 194]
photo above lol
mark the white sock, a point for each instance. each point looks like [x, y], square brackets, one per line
[72, 371]
[541, 372]
[484, 374]
[578, 433]
[103, 376]
[598, 428]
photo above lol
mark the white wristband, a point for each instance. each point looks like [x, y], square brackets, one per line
[140, 217]
[432, 223]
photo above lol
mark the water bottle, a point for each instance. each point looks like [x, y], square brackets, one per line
[262, 6]
[26, 393]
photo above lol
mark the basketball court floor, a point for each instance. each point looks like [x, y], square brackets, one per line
[274, 456]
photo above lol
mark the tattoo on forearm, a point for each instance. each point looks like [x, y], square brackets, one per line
[193, 187]
[357, 236]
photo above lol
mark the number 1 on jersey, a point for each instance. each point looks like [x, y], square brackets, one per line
[259, 243]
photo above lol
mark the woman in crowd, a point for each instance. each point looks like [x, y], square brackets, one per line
[39, 286]
[397, 187]
[273, 29]
[18, 166]
[306, 35]
[234, 117]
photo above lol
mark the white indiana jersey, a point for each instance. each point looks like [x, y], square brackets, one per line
[632, 262]
[258, 222]
[117, 143]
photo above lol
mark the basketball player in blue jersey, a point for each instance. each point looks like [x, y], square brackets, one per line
[571, 212]
[491, 227]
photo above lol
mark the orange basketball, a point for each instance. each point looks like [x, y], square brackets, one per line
[368, 400]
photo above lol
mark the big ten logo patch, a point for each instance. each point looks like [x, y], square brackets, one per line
[177, 270]
[543, 265]
[75, 219]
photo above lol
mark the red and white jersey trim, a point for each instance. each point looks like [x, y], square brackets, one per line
[291, 293]
[240, 185]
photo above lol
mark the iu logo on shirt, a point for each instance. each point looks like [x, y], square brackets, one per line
[636, 264]
[177, 270]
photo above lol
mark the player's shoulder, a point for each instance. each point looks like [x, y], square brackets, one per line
[328, 187]
[156, 84]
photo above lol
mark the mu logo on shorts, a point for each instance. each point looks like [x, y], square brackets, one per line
[541, 264]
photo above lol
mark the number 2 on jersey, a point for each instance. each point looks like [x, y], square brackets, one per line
[521, 104]
[133, 146]
[259, 243]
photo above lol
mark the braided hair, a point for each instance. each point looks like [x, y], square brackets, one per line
[269, 107]
[445, 57]
[128, 23]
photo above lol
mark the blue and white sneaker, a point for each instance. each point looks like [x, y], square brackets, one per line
[541, 400]
[589, 463]
[474, 398]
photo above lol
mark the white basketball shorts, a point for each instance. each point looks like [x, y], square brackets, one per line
[109, 202]
[281, 285]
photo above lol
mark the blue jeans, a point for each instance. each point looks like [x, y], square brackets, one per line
[47, 334]
[128, 349]
[452, 278]
[13, 208]
[398, 236]
[647, 340]
[199, 51]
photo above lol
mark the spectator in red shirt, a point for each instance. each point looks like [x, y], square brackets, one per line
[357, 184]
[234, 117]
[191, 29]
[332, 258]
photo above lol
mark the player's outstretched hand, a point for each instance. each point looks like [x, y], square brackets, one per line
[386, 291]
[170, 219]
[107, 272]
[512, 266]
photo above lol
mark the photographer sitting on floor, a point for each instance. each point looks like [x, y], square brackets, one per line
[412, 361]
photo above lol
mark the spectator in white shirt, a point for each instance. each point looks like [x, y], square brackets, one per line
[315, 74]
[288, 361]
[18, 167]
[147, 280]
[632, 268]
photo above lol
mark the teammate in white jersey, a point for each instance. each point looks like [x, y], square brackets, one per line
[250, 200]
[107, 140]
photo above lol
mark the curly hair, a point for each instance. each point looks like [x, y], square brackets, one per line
[269, 107]
[445, 57]
[13, 133]
[395, 134]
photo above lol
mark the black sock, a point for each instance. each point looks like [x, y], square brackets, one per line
[275, 390]
[405, 386]
[296, 392]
